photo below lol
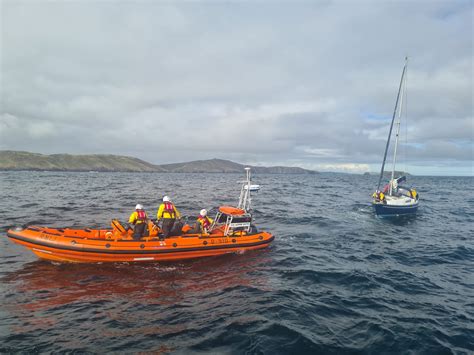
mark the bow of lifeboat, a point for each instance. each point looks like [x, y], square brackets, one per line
[113, 245]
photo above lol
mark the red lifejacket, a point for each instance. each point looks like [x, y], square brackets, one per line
[204, 221]
[169, 208]
[141, 216]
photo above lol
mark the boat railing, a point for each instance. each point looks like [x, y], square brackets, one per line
[232, 223]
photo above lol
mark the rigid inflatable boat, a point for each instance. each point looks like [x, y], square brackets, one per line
[232, 231]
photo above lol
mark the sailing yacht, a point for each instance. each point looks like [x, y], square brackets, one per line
[395, 199]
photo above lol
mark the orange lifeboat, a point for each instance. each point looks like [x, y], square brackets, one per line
[117, 244]
[232, 231]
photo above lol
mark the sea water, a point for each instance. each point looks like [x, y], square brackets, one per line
[336, 279]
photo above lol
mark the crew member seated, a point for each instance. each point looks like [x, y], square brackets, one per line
[378, 196]
[203, 223]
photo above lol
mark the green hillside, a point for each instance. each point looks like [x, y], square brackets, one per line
[226, 166]
[14, 160]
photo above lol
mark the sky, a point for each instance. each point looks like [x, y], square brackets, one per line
[296, 83]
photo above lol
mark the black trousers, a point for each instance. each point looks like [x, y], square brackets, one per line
[139, 231]
[197, 228]
[167, 225]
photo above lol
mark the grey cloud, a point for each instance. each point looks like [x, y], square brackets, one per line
[265, 82]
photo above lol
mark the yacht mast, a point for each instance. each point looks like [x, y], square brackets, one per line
[398, 130]
[391, 125]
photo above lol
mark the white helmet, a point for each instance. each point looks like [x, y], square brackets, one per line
[138, 207]
[203, 213]
[166, 199]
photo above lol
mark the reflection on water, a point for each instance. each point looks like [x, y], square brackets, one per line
[164, 283]
[127, 300]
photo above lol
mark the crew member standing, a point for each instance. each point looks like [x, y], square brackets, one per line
[168, 213]
[139, 219]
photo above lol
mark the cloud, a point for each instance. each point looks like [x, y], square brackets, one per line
[312, 83]
[348, 168]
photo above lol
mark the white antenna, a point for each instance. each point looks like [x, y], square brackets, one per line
[245, 199]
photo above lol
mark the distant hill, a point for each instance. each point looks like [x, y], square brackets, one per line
[14, 160]
[201, 166]
[281, 170]
[226, 166]
[388, 174]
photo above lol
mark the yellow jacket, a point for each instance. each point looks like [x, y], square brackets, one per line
[164, 214]
[134, 218]
[201, 220]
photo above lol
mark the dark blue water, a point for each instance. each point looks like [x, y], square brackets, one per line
[336, 279]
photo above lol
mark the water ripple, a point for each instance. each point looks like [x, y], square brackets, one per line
[336, 279]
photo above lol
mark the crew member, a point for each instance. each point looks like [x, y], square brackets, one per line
[204, 222]
[168, 213]
[378, 195]
[381, 196]
[139, 220]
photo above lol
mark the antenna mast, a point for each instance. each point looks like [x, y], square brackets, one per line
[245, 199]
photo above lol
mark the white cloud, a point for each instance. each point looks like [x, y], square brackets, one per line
[347, 168]
[40, 129]
[8, 122]
[322, 152]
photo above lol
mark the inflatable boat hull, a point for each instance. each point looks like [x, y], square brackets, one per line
[92, 246]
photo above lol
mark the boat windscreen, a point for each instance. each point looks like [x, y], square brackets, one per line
[235, 219]
[401, 179]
